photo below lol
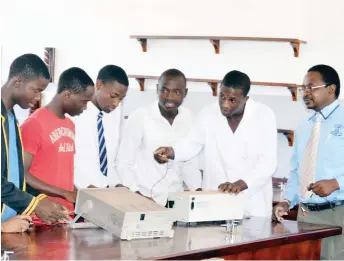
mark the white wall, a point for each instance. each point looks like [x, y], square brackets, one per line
[91, 34]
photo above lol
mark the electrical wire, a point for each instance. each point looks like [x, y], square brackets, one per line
[151, 192]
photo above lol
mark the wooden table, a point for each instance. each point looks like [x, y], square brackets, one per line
[258, 239]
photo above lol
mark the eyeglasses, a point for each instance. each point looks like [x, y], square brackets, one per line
[311, 88]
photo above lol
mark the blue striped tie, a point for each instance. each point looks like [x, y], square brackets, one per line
[102, 146]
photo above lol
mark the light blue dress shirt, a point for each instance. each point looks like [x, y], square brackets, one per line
[330, 158]
[13, 164]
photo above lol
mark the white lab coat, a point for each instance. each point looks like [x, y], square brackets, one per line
[144, 132]
[249, 154]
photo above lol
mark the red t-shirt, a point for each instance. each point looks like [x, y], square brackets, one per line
[51, 142]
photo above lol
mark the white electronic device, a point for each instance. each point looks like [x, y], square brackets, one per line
[205, 206]
[123, 213]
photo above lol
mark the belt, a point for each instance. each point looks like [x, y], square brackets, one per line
[323, 206]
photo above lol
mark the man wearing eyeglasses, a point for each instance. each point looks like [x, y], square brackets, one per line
[316, 180]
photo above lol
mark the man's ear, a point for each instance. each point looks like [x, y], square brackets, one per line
[246, 98]
[332, 88]
[18, 80]
[157, 88]
[186, 92]
[67, 93]
[99, 84]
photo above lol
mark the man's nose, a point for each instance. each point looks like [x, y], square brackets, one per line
[116, 103]
[305, 94]
[226, 105]
[38, 97]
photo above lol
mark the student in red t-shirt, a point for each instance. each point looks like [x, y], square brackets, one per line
[48, 139]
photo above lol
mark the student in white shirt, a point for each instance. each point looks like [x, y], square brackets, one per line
[97, 131]
[239, 138]
[163, 122]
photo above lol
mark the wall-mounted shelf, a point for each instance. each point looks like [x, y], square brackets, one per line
[279, 180]
[213, 83]
[215, 40]
[289, 134]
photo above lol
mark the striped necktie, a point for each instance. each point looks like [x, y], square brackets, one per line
[309, 159]
[102, 146]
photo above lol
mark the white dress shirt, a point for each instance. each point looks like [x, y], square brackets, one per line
[144, 131]
[249, 154]
[86, 163]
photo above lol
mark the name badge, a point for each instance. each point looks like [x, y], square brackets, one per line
[338, 130]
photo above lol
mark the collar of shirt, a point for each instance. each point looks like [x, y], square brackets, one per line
[327, 111]
[92, 108]
[156, 114]
[250, 109]
[249, 112]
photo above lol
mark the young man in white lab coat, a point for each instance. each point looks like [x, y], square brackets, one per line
[97, 131]
[239, 138]
[163, 122]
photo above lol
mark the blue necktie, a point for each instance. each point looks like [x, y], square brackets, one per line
[102, 146]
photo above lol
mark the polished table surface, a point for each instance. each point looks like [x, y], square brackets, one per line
[61, 242]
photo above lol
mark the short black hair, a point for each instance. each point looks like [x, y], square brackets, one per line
[237, 80]
[29, 66]
[74, 79]
[329, 75]
[172, 73]
[112, 73]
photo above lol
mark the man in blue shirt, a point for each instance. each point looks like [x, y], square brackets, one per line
[316, 180]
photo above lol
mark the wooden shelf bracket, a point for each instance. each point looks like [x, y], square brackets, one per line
[143, 43]
[296, 48]
[293, 91]
[49, 60]
[216, 44]
[213, 86]
[289, 135]
[141, 82]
